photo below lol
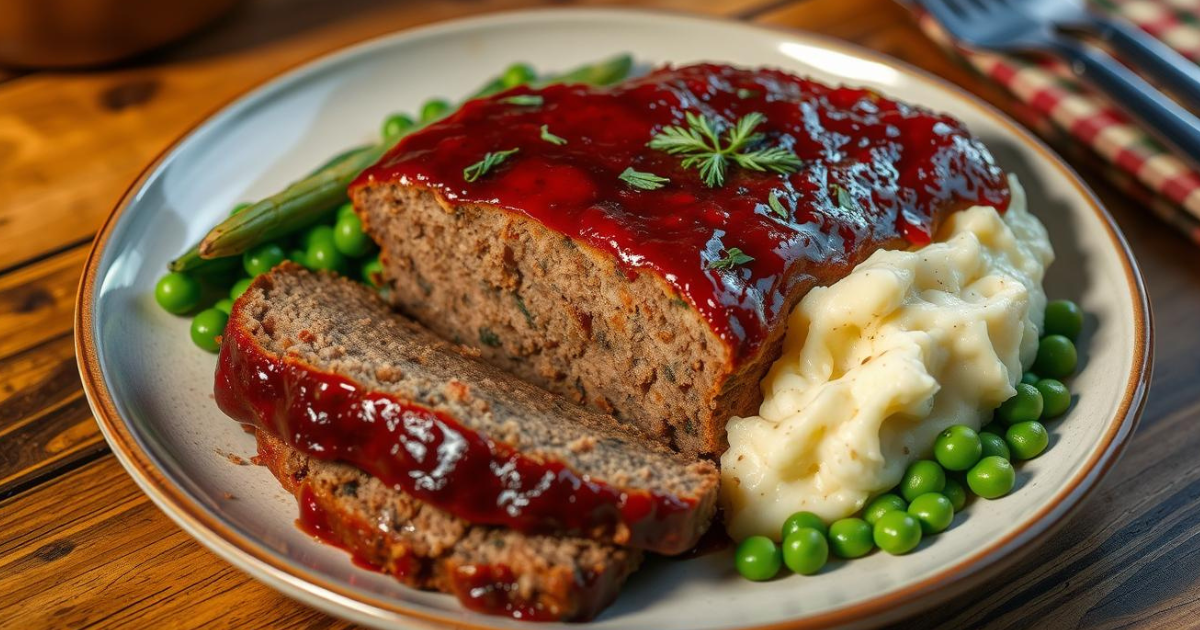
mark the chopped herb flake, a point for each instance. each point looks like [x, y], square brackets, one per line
[489, 338]
[843, 197]
[551, 138]
[643, 181]
[731, 258]
[776, 205]
[531, 100]
[489, 161]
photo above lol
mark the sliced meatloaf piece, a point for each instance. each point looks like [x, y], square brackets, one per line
[548, 233]
[322, 363]
[490, 569]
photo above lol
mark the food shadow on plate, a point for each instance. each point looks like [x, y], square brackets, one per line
[1065, 279]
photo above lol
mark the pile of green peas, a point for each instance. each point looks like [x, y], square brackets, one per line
[335, 244]
[932, 491]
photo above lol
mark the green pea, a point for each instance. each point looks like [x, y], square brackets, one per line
[1024, 406]
[225, 305]
[883, 504]
[1029, 378]
[957, 448]
[262, 258]
[992, 478]
[921, 477]
[518, 74]
[897, 533]
[994, 445]
[1056, 398]
[805, 551]
[349, 238]
[207, 326]
[317, 233]
[372, 272]
[956, 493]
[346, 210]
[758, 558]
[177, 292]
[396, 125]
[298, 256]
[434, 109]
[239, 288]
[850, 538]
[1056, 357]
[933, 512]
[238, 208]
[800, 520]
[325, 255]
[1063, 317]
[1027, 439]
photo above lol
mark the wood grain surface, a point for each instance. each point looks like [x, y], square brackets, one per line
[81, 546]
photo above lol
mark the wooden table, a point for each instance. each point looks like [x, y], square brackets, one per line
[81, 546]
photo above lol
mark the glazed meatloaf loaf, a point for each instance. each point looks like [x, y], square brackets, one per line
[323, 364]
[490, 569]
[637, 248]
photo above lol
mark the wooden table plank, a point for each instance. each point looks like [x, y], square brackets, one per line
[45, 423]
[71, 143]
[91, 549]
[38, 301]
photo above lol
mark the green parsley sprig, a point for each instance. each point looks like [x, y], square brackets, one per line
[490, 160]
[706, 150]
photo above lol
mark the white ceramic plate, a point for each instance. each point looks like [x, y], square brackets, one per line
[151, 389]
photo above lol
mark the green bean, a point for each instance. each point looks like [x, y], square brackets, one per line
[312, 198]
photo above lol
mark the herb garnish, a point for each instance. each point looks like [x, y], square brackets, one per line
[732, 258]
[703, 147]
[551, 138]
[490, 160]
[532, 100]
[642, 180]
[843, 197]
[776, 205]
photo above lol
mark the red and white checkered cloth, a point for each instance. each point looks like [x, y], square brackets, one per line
[1073, 116]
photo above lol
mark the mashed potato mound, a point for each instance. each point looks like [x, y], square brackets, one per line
[876, 365]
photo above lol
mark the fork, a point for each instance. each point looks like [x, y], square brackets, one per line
[1177, 73]
[1012, 26]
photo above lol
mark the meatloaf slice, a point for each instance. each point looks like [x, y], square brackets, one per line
[489, 569]
[322, 363]
[544, 231]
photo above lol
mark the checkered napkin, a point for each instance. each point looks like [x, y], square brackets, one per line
[1085, 123]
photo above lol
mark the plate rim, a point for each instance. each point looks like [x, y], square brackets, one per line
[314, 589]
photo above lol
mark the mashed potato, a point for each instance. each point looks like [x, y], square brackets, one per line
[875, 366]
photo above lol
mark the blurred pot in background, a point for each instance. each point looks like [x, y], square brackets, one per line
[72, 33]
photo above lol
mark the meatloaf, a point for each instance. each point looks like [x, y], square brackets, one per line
[539, 227]
[323, 364]
[490, 569]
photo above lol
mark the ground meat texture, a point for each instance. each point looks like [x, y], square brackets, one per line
[616, 296]
[490, 569]
[322, 363]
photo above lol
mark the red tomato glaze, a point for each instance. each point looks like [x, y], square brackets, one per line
[903, 167]
[434, 458]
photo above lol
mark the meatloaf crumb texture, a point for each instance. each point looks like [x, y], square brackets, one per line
[494, 570]
[560, 314]
[293, 328]
[629, 298]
